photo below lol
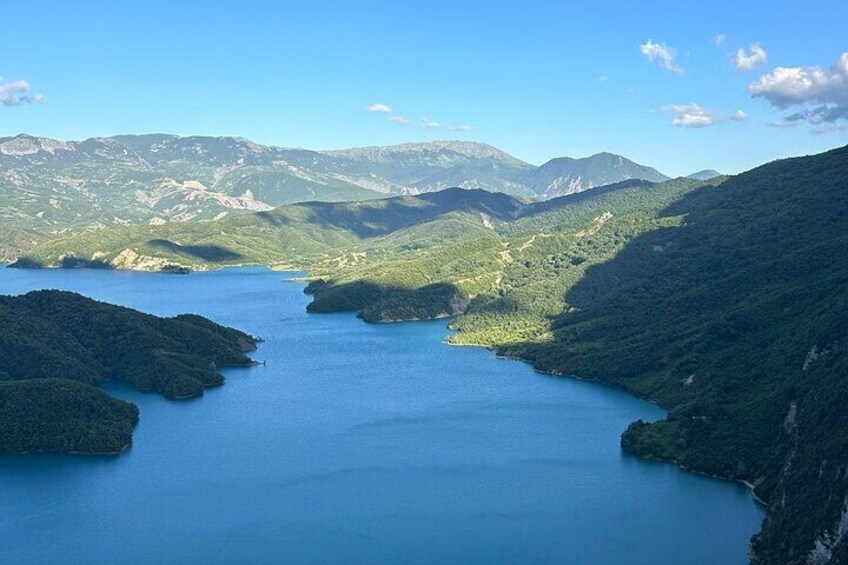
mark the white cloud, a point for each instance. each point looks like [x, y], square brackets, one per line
[427, 123]
[603, 78]
[828, 128]
[719, 39]
[738, 116]
[662, 54]
[782, 124]
[747, 59]
[689, 115]
[694, 116]
[819, 95]
[379, 108]
[17, 93]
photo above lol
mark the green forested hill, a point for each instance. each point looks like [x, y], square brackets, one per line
[57, 346]
[378, 255]
[53, 334]
[49, 188]
[297, 234]
[516, 271]
[729, 307]
[736, 320]
[62, 416]
[726, 301]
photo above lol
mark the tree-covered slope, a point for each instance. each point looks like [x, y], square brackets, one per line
[53, 334]
[50, 188]
[735, 318]
[727, 302]
[62, 416]
[506, 268]
[57, 346]
[298, 234]
[428, 283]
[379, 256]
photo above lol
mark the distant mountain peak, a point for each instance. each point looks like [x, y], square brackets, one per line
[606, 154]
[425, 149]
[24, 145]
[141, 178]
[706, 174]
[568, 175]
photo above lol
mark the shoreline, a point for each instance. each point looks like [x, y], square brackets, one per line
[749, 486]
[305, 279]
[115, 453]
[493, 349]
[192, 269]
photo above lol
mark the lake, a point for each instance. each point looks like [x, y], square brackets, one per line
[358, 443]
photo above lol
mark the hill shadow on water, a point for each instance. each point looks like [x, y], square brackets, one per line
[724, 321]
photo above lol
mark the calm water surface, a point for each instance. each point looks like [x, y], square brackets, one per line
[358, 443]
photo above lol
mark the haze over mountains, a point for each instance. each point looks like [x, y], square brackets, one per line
[48, 186]
[706, 174]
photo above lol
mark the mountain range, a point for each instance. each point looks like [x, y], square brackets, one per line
[320, 235]
[48, 187]
[722, 300]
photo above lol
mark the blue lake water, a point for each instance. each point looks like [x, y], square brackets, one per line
[358, 443]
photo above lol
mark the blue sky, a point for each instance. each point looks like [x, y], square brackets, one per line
[537, 79]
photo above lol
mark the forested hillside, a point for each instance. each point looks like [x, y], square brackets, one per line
[57, 346]
[298, 234]
[724, 300]
[49, 188]
[62, 416]
[736, 320]
[516, 272]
